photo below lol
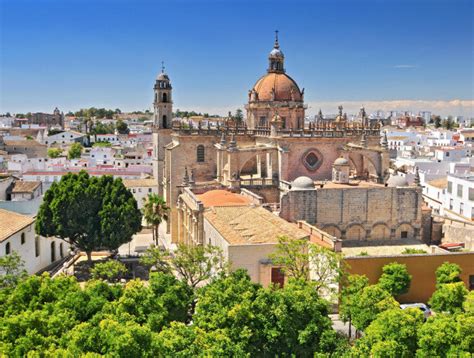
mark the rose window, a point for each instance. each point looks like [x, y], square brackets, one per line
[311, 160]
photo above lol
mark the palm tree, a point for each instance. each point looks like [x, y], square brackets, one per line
[155, 211]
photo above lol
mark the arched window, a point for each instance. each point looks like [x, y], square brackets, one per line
[165, 121]
[165, 97]
[23, 238]
[200, 153]
[7, 249]
[61, 253]
[53, 252]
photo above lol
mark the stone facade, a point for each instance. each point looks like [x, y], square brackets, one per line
[349, 212]
[263, 156]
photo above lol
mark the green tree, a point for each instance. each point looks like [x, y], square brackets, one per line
[122, 127]
[155, 211]
[75, 151]
[399, 327]
[449, 297]
[438, 337]
[437, 122]
[371, 301]
[239, 116]
[352, 288]
[395, 278]
[92, 213]
[448, 273]
[296, 257]
[266, 322]
[156, 258]
[292, 256]
[11, 270]
[468, 304]
[110, 270]
[54, 152]
[197, 264]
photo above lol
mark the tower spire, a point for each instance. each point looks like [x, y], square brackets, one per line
[277, 45]
[162, 66]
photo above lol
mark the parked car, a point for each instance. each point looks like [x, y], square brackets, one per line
[424, 308]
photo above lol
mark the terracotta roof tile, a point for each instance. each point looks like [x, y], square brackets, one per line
[247, 225]
[11, 223]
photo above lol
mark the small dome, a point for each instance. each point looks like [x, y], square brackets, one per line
[163, 77]
[276, 52]
[396, 180]
[302, 183]
[341, 161]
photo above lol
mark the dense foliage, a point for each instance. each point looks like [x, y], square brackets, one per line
[392, 332]
[92, 213]
[54, 152]
[75, 151]
[233, 317]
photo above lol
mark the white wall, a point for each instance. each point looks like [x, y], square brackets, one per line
[26, 250]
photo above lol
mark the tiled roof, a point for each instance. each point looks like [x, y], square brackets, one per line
[130, 183]
[247, 225]
[440, 183]
[222, 198]
[25, 186]
[23, 143]
[11, 223]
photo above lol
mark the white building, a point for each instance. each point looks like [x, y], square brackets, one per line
[141, 188]
[459, 202]
[111, 138]
[64, 138]
[434, 192]
[17, 233]
[452, 154]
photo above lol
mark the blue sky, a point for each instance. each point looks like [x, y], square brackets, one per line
[416, 54]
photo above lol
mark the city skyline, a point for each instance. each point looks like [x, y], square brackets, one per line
[107, 54]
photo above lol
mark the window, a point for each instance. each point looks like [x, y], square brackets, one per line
[22, 238]
[459, 190]
[447, 154]
[450, 187]
[404, 234]
[7, 249]
[149, 190]
[37, 246]
[461, 209]
[450, 204]
[471, 282]
[471, 194]
[165, 97]
[278, 277]
[53, 252]
[200, 153]
[165, 122]
[61, 253]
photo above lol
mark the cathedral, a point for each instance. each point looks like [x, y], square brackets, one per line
[275, 149]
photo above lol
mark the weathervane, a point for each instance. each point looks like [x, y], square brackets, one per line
[276, 39]
[162, 66]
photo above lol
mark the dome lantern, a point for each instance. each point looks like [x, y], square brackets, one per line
[276, 58]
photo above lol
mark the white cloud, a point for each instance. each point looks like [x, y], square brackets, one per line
[454, 107]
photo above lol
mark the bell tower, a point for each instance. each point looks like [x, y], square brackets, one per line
[163, 104]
